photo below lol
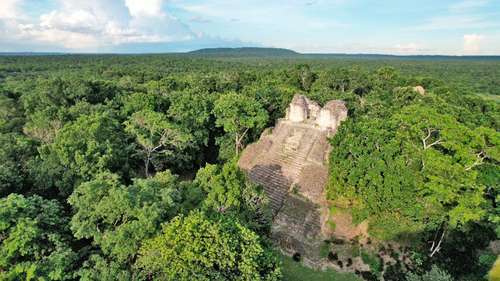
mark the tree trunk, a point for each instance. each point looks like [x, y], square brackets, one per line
[146, 163]
[237, 144]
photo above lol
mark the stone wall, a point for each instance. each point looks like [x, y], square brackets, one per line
[328, 118]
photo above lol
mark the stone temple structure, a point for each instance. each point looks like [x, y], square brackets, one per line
[290, 162]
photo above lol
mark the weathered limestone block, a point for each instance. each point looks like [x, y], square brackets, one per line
[298, 109]
[313, 108]
[331, 115]
[419, 89]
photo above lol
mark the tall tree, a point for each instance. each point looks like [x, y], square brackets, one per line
[118, 218]
[157, 137]
[237, 115]
[204, 248]
[81, 149]
[34, 240]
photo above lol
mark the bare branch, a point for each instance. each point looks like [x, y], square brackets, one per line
[480, 158]
[436, 247]
[429, 134]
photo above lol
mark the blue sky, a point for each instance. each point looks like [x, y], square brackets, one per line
[463, 27]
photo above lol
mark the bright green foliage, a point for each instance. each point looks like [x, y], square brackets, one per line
[119, 217]
[228, 190]
[418, 167]
[494, 274]
[273, 99]
[159, 139]
[138, 101]
[43, 127]
[435, 274]
[224, 186]
[34, 240]
[448, 153]
[237, 115]
[199, 248]
[415, 165]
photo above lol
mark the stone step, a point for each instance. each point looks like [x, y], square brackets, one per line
[290, 163]
[290, 160]
[274, 183]
[292, 153]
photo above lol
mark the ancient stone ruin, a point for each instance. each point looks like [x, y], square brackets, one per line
[290, 162]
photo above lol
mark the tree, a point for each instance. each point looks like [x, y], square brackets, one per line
[99, 268]
[16, 151]
[228, 191]
[418, 164]
[34, 240]
[139, 101]
[192, 111]
[224, 186]
[91, 144]
[203, 248]
[237, 115]
[116, 217]
[435, 274]
[157, 137]
[11, 115]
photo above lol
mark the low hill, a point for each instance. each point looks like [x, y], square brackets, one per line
[245, 52]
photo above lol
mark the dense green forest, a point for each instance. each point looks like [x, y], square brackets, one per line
[123, 167]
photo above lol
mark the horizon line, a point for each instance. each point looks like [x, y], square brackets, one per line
[244, 47]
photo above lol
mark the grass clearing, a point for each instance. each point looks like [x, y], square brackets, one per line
[296, 271]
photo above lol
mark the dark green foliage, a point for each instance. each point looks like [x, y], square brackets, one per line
[16, 150]
[11, 114]
[373, 261]
[81, 149]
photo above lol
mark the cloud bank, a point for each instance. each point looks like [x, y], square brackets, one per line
[95, 26]
[453, 27]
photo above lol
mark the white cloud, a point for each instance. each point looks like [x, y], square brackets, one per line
[9, 9]
[83, 21]
[409, 48]
[472, 43]
[93, 24]
[65, 38]
[148, 8]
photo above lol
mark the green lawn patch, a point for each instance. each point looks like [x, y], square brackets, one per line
[296, 271]
[372, 260]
